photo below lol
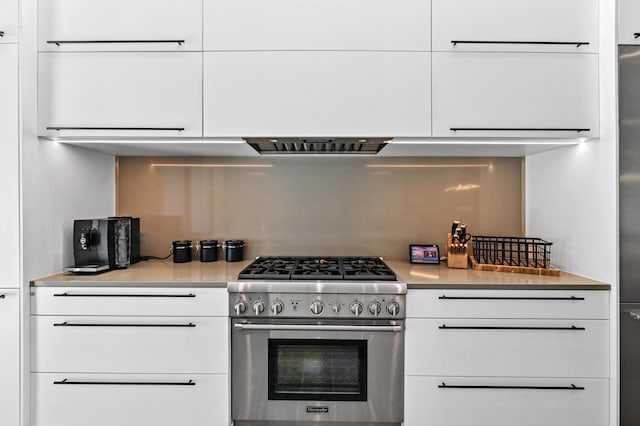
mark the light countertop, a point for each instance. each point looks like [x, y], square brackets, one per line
[165, 273]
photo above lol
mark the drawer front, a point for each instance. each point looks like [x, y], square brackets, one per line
[317, 25]
[629, 22]
[508, 304]
[516, 25]
[9, 21]
[432, 401]
[9, 356]
[517, 348]
[129, 301]
[84, 399]
[129, 344]
[145, 25]
[116, 94]
[301, 94]
[494, 94]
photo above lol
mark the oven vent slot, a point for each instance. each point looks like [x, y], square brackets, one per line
[352, 146]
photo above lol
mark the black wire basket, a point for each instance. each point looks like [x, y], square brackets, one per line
[512, 251]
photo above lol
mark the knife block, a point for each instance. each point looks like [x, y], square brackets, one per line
[457, 260]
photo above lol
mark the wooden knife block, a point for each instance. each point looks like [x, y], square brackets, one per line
[457, 260]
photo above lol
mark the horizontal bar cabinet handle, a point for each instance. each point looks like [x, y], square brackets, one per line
[636, 35]
[175, 129]
[444, 297]
[68, 324]
[76, 382]
[559, 43]
[571, 387]
[465, 327]
[59, 42]
[516, 129]
[121, 295]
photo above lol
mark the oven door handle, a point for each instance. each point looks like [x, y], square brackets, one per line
[298, 327]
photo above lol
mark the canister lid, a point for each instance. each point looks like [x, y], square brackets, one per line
[234, 243]
[182, 243]
[208, 243]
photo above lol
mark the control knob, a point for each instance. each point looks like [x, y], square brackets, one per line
[277, 307]
[375, 308]
[336, 308]
[393, 308]
[258, 307]
[356, 308]
[317, 307]
[240, 307]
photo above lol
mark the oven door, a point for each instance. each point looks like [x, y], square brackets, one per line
[316, 372]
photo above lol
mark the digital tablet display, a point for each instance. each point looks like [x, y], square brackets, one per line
[424, 253]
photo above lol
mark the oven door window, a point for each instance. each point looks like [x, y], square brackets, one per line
[318, 370]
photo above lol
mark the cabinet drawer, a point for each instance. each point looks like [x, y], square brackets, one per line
[629, 22]
[95, 25]
[185, 400]
[317, 94]
[525, 348]
[9, 356]
[428, 403]
[129, 344]
[129, 301]
[516, 25]
[317, 25]
[9, 21]
[508, 304]
[493, 94]
[116, 94]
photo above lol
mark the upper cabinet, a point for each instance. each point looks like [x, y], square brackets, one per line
[516, 25]
[400, 25]
[317, 94]
[122, 25]
[629, 22]
[481, 94]
[116, 94]
[8, 21]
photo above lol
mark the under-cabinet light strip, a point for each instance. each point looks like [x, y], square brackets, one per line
[258, 166]
[425, 166]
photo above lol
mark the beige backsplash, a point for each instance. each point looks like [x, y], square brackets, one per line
[319, 206]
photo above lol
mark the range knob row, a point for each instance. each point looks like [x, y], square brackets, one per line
[317, 307]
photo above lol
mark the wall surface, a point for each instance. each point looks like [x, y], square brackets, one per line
[321, 206]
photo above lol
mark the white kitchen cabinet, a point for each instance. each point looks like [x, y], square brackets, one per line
[120, 94]
[515, 25]
[317, 94]
[9, 357]
[401, 25]
[503, 94]
[9, 21]
[9, 172]
[628, 22]
[110, 399]
[95, 25]
[431, 404]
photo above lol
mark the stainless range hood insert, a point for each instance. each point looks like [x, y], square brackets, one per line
[351, 146]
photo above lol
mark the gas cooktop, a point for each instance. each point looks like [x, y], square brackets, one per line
[355, 268]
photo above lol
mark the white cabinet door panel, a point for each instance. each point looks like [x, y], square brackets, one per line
[564, 21]
[119, 20]
[427, 404]
[317, 94]
[482, 94]
[205, 402]
[517, 348]
[120, 94]
[9, 357]
[629, 22]
[317, 25]
[129, 301]
[9, 21]
[508, 304]
[9, 172]
[129, 344]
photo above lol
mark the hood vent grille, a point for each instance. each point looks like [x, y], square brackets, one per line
[352, 146]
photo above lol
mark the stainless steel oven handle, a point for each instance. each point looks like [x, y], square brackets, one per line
[295, 327]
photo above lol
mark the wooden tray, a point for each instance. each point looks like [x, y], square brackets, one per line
[517, 269]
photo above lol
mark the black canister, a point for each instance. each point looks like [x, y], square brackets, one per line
[181, 251]
[208, 250]
[234, 250]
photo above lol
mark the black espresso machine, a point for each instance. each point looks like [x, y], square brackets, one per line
[103, 244]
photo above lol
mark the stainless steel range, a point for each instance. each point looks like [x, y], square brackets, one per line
[317, 341]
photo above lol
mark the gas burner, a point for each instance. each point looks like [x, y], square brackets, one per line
[311, 268]
[269, 268]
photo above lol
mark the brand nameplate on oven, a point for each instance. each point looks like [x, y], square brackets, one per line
[317, 409]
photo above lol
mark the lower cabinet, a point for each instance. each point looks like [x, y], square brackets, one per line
[129, 400]
[9, 357]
